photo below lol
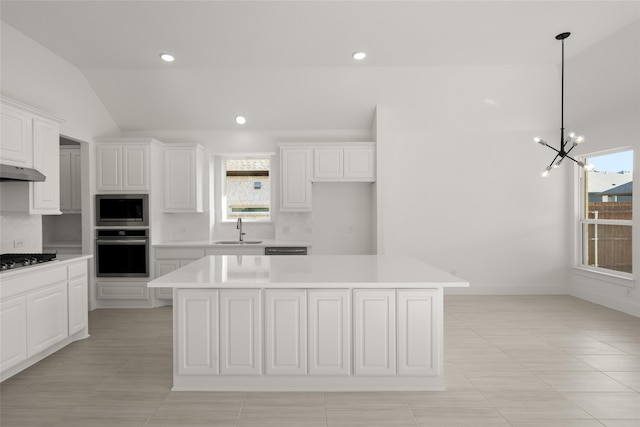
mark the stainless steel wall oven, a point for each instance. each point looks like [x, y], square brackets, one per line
[122, 252]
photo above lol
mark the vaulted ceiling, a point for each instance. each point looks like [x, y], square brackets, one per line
[288, 64]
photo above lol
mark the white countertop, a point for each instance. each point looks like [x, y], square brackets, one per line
[212, 243]
[313, 271]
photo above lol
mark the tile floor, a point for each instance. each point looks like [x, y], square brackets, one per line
[509, 361]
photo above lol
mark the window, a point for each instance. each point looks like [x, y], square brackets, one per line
[606, 212]
[246, 189]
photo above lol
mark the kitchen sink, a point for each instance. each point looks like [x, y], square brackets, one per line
[237, 242]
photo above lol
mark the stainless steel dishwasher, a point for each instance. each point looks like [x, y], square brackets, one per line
[285, 250]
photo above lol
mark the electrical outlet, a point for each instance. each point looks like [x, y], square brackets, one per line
[349, 229]
[18, 243]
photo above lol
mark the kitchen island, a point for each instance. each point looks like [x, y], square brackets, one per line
[314, 323]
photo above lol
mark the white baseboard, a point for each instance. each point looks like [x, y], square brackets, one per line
[625, 306]
[508, 290]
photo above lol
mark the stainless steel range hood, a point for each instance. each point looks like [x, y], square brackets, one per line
[17, 173]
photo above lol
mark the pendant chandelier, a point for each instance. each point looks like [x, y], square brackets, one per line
[572, 140]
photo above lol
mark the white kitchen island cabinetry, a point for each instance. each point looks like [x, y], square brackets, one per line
[314, 323]
[42, 309]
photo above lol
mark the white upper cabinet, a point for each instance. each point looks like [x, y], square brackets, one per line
[46, 148]
[328, 163]
[16, 145]
[360, 163]
[183, 178]
[123, 167]
[30, 138]
[70, 180]
[349, 162]
[295, 179]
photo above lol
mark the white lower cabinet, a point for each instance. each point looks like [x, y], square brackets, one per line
[418, 314]
[167, 260]
[41, 311]
[165, 267]
[329, 332]
[374, 320]
[78, 303]
[13, 327]
[198, 332]
[241, 332]
[47, 318]
[285, 332]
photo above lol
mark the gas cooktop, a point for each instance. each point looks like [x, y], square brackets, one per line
[11, 261]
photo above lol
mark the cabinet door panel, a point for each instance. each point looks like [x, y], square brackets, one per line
[76, 181]
[417, 330]
[179, 180]
[15, 145]
[78, 310]
[286, 332]
[240, 332]
[65, 180]
[295, 179]
[47, 318]
[13, 326]
[135, 168]
[327, 163]
[109, 163]
[46, 146]
[162, 268]
[329, 332]
[197, 330]
[375, 330]
[359, 163]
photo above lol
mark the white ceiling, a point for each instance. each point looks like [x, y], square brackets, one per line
[287, 64]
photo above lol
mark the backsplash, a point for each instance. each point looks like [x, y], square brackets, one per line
[294, 226]
[23, 231]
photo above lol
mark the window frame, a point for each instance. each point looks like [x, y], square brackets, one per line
[614, 276]
[222, 199]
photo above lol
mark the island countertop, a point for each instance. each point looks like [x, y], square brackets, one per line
[313, 271]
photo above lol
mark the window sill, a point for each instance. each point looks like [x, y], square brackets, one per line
[616, 279]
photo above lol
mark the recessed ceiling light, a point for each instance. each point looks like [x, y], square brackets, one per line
[359, 56]
[241, 120]
[167, 57]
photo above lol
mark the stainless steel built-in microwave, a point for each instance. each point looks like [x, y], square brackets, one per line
[122, 210]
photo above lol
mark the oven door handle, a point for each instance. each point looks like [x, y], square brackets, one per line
[122, 242]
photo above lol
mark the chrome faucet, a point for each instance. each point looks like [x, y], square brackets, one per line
[239, 227]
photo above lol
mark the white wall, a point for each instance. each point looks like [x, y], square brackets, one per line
[35, 76]
[462, 187]
[342, 218]
[608, 82]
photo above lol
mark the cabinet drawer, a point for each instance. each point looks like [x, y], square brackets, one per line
[78, 270]
[122, 291]
[30, 281]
